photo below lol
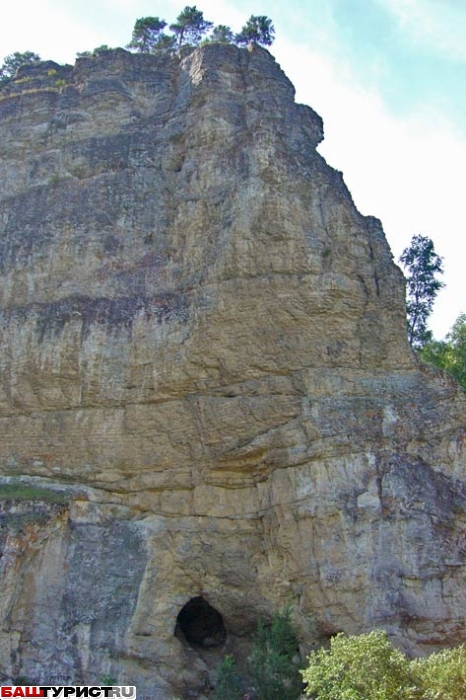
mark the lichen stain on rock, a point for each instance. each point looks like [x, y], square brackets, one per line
[203, 346]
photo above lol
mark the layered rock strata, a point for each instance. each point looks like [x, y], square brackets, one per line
[208, 405]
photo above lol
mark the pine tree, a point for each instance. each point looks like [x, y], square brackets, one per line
[258, 29]
[190, 26]
[13, 61]
[221, 34]
[147, 33]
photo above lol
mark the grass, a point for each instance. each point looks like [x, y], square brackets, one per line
[27, 492]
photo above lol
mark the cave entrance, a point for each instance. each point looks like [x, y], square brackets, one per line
[200, 624]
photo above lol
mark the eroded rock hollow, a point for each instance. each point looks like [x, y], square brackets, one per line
[206, 391]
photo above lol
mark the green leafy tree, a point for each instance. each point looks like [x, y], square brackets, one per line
[229, 686]
[147, 34]
[359, 668]
[456, 338]
[190, 26]
[258, 29]
[274, 662]
[13, 61]
[221, 34]
[449, 354]
[421, 264]
[436, 352]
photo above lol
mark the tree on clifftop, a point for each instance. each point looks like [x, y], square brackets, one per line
[147, 33]
[422, 264]
[190, 26]
[221, 34]
[258, 29]
[13, 61]
[191, 29]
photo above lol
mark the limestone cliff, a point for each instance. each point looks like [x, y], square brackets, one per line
[207, 396]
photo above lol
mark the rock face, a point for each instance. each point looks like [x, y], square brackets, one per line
[208, 405]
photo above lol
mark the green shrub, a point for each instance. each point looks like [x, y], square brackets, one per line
[360, 668]
[364, 667]
[274, 662]
[229, 686]
[273, 665]
[442, 676]
[367, 667]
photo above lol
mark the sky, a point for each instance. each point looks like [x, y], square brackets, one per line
[388, 78]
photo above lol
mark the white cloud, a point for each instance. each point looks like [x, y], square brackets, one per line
[438, 24]
[50, 30]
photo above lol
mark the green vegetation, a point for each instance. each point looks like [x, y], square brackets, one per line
[221, 34]
[368, 666]
[98, 50]
[357, 668]
[189, 29]
[422, 265]
[29, 492]
[258, 29]
[363, 667]
[229, 685]
[108, 680]
[147, 34]
[274, 662]
[192, 29]
[273, 666]
[13, 61]
[442, 676]
[449, 354]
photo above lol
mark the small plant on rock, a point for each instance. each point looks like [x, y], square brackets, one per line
[229, 686]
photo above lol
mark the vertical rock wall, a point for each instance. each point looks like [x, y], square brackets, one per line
[206, 388]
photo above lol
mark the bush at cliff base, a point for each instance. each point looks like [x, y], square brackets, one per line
[357, 668]
[442, 676]
[368, 666]
[274, 664]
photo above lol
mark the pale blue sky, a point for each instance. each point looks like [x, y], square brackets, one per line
[387, 76]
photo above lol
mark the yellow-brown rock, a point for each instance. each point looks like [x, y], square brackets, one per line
[204, 364]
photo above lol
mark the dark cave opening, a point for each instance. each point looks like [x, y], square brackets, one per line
[200, 624]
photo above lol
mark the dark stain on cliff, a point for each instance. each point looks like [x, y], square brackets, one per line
[115, 314]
